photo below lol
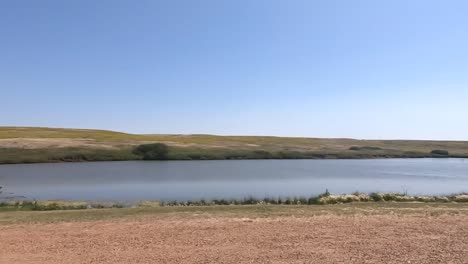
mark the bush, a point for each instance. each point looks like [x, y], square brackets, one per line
[462, 198]
[364, 148]
[377, 197]
[156, 151]
[261, 154]
[314, 200]
[440, 152]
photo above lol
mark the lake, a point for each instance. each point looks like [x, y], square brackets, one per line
[184, 180]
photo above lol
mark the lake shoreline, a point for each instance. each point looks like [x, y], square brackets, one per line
[322, 199]
[82, 158]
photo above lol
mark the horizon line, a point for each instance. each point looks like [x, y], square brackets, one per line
[229, 135]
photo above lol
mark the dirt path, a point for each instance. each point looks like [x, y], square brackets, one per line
[320, 239]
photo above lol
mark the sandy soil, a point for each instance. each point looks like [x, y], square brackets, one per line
[37, 143]
[319, 239]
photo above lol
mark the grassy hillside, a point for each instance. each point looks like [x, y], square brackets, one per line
[24, 144]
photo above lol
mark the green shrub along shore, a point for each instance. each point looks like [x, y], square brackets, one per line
[322, 199]
[159, 151]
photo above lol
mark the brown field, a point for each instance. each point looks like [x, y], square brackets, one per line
[39, 138]
[403, 233]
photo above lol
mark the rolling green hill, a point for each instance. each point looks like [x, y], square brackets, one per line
[32, 144]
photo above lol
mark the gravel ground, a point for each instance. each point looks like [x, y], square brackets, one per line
[319, 239]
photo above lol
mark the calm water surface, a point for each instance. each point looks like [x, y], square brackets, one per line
[166, 180]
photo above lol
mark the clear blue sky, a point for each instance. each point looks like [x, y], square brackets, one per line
[362, 69]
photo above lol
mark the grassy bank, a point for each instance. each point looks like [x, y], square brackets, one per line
[31, 145]
[234, 211]
[327, 199]
[322, 199]
[76, 154]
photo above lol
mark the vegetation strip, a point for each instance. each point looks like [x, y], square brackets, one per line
[322, 199]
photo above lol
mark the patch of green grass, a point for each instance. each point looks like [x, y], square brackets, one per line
[17, 155]
[26, 205]
[233, 211]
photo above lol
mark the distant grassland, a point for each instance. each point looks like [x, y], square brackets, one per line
[31, 144]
